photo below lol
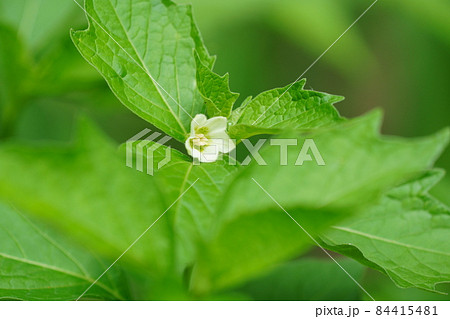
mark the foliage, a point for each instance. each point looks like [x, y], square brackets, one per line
[56, 271]
[217, 226]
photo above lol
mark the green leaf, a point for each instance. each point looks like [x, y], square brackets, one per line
[308, 279]
[405, 235]
[290, 107]
[253, 233]
[86, 191]
[215, 91]
[145, 51]
[36, 265]
[195, 212]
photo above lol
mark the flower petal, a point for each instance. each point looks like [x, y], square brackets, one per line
[188, 145]
[198, 121]
[209, 154]
[215, 136]
[223, 142]
[216, 124]
[228, 146]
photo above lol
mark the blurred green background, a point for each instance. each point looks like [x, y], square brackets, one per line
[395, 58]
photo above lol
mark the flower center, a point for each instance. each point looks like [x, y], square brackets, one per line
[200, 140]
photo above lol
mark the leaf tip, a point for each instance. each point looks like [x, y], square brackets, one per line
[444, 135]
[375, 118]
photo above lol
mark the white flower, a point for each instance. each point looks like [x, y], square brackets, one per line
[208, 138]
